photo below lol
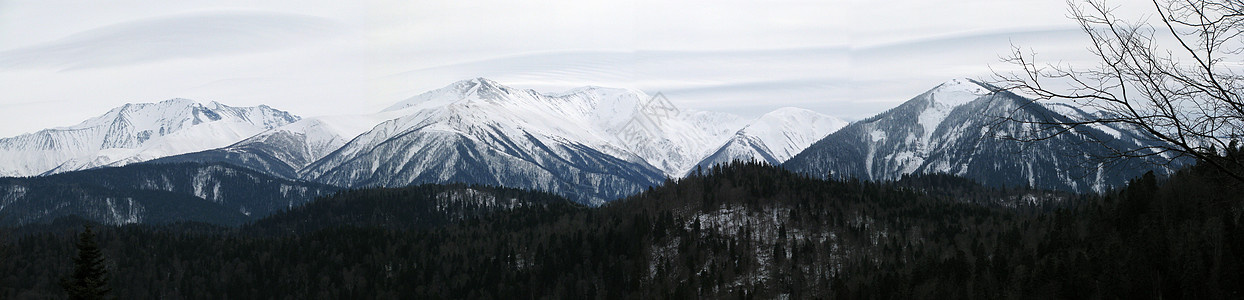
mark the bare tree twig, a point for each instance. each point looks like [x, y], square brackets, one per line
[1186, 95]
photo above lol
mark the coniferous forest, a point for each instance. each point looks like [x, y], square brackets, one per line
[742, 231]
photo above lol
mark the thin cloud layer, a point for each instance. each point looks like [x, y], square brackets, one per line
[63, 61]
[183, 36]
[851, 82]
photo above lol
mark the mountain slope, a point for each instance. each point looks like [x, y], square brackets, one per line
[626, 123]
[583, 144]
[775, 137]
[153, 193]
[956, 128]
[490, 135]
[592, 144]
[133, 133]
[285, 150]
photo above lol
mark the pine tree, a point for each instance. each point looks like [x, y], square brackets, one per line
[89, 279]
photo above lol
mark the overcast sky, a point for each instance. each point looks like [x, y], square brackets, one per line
[62, 62]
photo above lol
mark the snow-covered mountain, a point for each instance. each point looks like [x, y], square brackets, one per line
[135, 133]
[576, 143]
[619, 122]
[957, 128]
[775, 137]
[592, 143]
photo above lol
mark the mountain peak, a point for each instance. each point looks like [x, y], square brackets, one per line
[129, 110]
[175, 102]
[782, 122]
[178, 100]
[480, 87]
[488, 89]
[482, 80]
[964, 83]
[958, 91]
[937, 133]
[787, 111]
[775, 137]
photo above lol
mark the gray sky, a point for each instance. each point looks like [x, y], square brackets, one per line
[62, 62]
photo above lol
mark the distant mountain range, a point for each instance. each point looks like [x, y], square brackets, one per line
[590, 144]
[135, 133]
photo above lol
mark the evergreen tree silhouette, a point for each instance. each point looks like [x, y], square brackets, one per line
[89, 279]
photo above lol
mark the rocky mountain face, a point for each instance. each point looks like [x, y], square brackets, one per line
[959, 128]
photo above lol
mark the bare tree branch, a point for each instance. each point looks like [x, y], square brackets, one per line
[1186, 95]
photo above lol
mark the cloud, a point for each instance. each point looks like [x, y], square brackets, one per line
[849, 58]
[850, 81]
[645, 69]
[173, 37]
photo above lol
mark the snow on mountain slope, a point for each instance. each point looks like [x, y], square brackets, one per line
[1110, 131]
[787, 131]
[285, 150]
[662, 135]
[620, 122]
[477, 131]
[775, 137]
[191, 139]
[313, 138]
[957, 128]
[135, 132]
[609, 117]
[906, 132]
[591, 143]
[945, 98]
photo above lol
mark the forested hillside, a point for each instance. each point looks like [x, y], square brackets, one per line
[154, 194]
[742, 231]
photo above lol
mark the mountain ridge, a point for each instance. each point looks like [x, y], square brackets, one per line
[135, 132]
[774, 137]
[154, 193]
[943, 131]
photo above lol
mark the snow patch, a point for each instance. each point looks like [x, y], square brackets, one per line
[123, 211]
[472, 197]
[945, 98]
[876, 135]
[12, 194]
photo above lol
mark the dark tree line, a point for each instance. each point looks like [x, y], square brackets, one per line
[742, 231]
[1176, 238]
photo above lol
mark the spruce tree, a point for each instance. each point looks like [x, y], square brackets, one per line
[89, 279]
